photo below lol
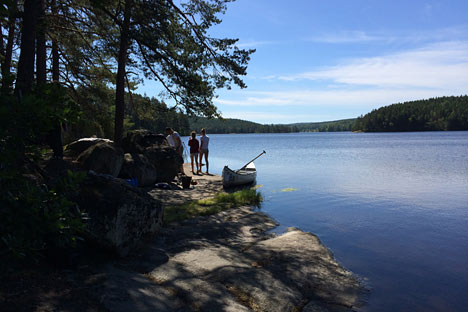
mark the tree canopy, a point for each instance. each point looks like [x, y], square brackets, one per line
[92, 45]
[436, 114]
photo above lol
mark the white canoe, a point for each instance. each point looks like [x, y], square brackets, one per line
[239, 177]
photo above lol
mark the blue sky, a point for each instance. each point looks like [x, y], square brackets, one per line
[334, 59]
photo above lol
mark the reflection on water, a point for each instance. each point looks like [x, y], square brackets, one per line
[392, 207]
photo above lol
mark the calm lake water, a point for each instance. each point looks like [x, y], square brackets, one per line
[392, 207]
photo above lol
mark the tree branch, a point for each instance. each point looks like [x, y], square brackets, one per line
[148, 64]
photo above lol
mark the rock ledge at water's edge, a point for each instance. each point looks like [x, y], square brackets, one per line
[224, 262]
[230, 262]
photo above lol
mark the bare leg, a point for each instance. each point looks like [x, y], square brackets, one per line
[196, 161]
[192, 156]
[206, 160]
[201, 160]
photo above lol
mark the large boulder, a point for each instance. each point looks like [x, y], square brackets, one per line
[120, 216]
[137, 166]
[136, 141]
[157, 150]
[102, 157]
[166, 161]
[77, 147]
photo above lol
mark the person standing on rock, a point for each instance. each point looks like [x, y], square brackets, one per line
[194, 150]
[175, 141]
[205, 140]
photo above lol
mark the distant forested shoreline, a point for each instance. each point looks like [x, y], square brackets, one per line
[228, 125]
[435, 114]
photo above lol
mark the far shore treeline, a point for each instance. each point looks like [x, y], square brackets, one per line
[229, 125]
[435, 114]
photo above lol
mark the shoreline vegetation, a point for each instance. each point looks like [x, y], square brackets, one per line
[208, 206]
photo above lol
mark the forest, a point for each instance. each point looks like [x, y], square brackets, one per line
[326, 126]
[70, 69]
[230, 125]
[435, 114]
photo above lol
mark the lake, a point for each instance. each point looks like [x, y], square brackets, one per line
[392, 207]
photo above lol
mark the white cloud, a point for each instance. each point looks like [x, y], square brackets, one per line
[442, 66]
[346, 37]
[254, 43]
[344, 98]
[356, 86]
[268, 117]
[459, 32]
[260, 98]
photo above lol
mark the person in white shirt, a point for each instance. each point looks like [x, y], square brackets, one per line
[174, 140]
[170, 140]
[204, 142]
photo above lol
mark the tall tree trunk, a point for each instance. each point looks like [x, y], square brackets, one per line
[25, 76]
[55, 53]
[120, 81]
[55, 62]
[6, 64]
[41, 53]
[54, 137]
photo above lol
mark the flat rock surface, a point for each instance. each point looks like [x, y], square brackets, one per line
[229, 262]
[207, 185]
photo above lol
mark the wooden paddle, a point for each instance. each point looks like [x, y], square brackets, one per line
[252, 160]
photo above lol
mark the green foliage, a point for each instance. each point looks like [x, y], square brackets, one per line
[24, 124]
[220, 202]
[36, 218]
[236, 126]
[170, 43]
[33, 216]
[242, 126]
[98, 111]
[436, 114]
[154, 115]
[326, 126]
[96, 102]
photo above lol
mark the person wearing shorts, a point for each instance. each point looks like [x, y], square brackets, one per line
[194, 151]
[204, 142]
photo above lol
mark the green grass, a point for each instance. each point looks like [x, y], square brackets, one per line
[209, 206]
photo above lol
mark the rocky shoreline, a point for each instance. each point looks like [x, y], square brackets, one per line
[225, 262]
[228, 262]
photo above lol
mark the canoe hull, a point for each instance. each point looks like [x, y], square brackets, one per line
[239, 177]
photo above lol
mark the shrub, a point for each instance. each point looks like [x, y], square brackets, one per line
[33, 216]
